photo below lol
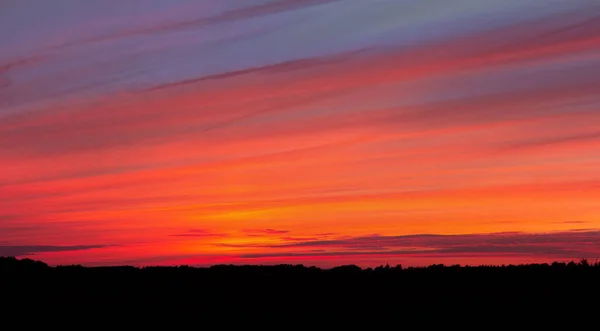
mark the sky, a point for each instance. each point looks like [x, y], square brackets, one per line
[316, 132]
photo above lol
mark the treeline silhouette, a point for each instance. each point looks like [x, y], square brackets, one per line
[299, 293]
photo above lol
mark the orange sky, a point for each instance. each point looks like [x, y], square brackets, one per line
[477, 147]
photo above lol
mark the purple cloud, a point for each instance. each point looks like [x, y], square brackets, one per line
[198, 233]
[568, 244]
[263, 232]
[32, 249]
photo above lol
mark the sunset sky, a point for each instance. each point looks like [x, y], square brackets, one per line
[321, 132]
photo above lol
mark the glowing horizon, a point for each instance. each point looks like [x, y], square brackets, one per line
[320, 132]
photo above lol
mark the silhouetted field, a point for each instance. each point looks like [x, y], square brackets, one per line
[301, 294]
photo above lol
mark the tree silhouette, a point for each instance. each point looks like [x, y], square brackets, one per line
[299, 293]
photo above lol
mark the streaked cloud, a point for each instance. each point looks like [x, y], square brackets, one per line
[203, 131]
[198, 233]
[265, 232]
[30, 250]
[558, 245]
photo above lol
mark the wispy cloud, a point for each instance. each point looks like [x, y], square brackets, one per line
[263, 232]
[29, 250]
[225, 128]
[198, 233]
[570, 244]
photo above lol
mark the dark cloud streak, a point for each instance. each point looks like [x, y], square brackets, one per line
[29, 250]
[263, 232]
[198, 233]
[569, 244]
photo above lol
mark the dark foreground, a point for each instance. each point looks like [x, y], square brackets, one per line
[298, 294]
